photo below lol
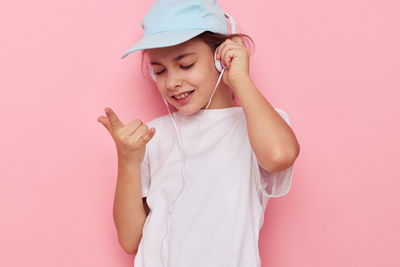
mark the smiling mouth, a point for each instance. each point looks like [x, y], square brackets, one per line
[189, 93]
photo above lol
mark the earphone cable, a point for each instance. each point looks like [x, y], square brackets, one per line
[164, 246]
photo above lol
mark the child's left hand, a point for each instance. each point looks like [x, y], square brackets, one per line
[235, 55]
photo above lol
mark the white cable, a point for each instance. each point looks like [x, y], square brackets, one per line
[164, 243]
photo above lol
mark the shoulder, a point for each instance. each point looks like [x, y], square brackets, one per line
[158, 121]
[160, 124]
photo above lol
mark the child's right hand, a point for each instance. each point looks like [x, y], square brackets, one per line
[130, 139]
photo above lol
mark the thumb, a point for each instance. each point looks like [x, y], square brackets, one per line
[147, 137]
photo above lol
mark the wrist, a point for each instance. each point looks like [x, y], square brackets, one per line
[242, 81]
[127, 163]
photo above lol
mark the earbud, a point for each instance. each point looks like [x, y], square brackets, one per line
[218, 63]
[153, 76]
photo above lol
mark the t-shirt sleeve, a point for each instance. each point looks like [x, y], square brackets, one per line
[145, 167]
[276, 184]
[145, 174]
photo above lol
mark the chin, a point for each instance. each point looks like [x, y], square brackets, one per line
[187, 109]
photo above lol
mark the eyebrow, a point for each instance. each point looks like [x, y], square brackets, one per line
[175, 59]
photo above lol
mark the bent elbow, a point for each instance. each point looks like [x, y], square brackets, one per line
[283, 163]
[129, 249]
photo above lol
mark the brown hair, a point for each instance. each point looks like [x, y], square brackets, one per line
[213, 40]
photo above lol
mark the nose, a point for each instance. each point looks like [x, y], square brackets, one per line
[173, 80]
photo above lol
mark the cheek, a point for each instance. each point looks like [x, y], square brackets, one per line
[204, 78]
[162, 91]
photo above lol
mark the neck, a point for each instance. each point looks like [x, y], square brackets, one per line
[222, 98]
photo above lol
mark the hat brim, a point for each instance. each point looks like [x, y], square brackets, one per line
[163, 39]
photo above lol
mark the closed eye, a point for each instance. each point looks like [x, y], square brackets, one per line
[183, 67]
[186, 67]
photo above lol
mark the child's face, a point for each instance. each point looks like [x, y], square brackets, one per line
[194, 72]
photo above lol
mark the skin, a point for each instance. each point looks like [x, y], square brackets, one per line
[272, 139]
[202, 77]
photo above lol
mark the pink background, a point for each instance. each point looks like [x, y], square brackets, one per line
[333, 66]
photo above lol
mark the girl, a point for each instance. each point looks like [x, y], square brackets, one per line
[193, 185]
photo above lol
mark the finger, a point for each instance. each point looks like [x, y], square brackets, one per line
[140, 131]
[133, 126]
[238, 40]
[224, 54]
[106, 123]
[234, 40]
[219, 49]
[221, 52]
[148, 136]
[114, 120]
[231, 54]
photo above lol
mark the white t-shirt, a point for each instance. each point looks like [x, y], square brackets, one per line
[216, 220]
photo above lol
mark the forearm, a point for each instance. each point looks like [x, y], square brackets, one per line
[271, 138]
[128, 211]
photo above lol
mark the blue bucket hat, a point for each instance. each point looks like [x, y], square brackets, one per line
[171, 22]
